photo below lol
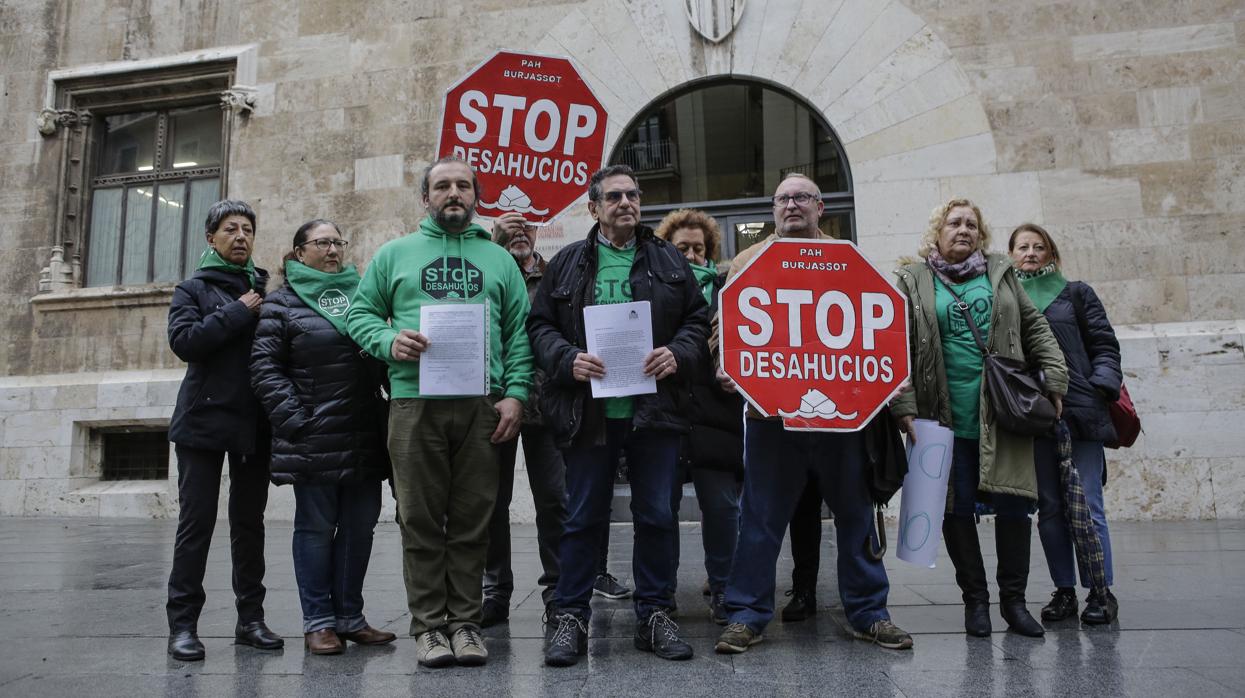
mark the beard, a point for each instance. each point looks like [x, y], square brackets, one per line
[452, 220]
[521, 252]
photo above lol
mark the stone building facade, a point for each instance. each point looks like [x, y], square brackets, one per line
[1118, 124]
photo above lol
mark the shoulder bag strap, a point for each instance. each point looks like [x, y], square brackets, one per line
[963, 308]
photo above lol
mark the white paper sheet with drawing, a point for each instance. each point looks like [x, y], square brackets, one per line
[621, 334]
[456, 361]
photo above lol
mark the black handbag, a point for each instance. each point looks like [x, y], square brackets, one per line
[1015, 392]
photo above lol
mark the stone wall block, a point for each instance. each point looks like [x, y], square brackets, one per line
[1005, 200]
[1068, 196]
[1228, 481]
[1216, 297]
[307, 57]
[12, 497]
[142, 504]
[917, 56]
[598, 64]
[1199, 37]
[1201, 434]
[892, 29]
[35, 429]
[889, 208]
[972, 155]
[1224, 102]
[59, 498]
[957, 120]
[1220, 139]
[940, 86]
[41, 462]
[852, 20]
[1159, 488]
[381, 172]
[1169, 106]
[1142, 145]
[1164, 299]
[122, 394]
[15, 399]
[666, 42]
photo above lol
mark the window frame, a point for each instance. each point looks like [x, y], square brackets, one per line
[75, 96]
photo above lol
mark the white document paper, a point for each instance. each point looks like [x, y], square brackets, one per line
[621, 334]
[924, 497]
[456, 361]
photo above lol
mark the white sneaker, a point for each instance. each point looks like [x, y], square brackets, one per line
[468, 646]
[432, 650]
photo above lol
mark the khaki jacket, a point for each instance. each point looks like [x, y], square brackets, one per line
[1017, 330]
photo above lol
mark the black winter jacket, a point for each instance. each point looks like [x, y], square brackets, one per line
[555, 327]
[211, 330]
[716, 440]
[1092, 353]
[322, 395]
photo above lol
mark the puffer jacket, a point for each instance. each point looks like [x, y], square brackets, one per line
[555, 326]
[322, 395]
[1092, 354]
[211, 330]
[1017, 330]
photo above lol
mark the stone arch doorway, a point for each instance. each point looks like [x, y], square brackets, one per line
[675, 146]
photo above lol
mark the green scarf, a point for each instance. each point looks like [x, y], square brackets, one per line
[210, 259]
[327, 294]
[704, 277]
[1043, 285]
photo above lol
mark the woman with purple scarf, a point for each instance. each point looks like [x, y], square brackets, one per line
[958, 280]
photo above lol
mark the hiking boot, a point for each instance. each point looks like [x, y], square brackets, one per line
[569, 641]
[660, 635]
[803, 605]
[607, 585]
[468, 646]
[717, 608]
[736, 639]
[433, 650]
[1101, 608]
[1062, 604]
[494, 612]
[886, 634]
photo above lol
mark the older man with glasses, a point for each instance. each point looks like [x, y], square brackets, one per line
[618, 262]
[777, 464]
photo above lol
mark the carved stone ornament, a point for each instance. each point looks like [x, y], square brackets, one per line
[48, 120]
[60, 275]
[714, 19]
[239, 99]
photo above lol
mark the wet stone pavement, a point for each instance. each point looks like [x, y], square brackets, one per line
[81, 608]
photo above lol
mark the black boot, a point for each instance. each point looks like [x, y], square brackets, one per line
[1012, 538]
[960, 535]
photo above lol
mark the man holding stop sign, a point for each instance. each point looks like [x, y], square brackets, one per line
[806, 432]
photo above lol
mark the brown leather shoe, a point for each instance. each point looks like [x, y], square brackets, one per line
[367, 635]
[324, 642]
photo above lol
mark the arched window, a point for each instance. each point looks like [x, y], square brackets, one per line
[723, 145]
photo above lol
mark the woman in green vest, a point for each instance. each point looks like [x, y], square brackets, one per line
[988, 464]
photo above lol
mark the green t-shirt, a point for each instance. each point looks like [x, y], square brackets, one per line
[960, 352]
[614, 286]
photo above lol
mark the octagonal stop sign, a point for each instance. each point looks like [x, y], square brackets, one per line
[532, 130]
[812, 332]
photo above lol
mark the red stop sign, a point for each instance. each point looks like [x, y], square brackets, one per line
[530, 127]
[812, 332]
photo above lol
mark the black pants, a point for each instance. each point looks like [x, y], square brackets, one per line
[546, 472]
[198, 489]
[806, 537]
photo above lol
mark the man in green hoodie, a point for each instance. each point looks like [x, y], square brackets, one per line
[444, 449]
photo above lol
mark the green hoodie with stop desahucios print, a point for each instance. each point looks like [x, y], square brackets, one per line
[432, 266]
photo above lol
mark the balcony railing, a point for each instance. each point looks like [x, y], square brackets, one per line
[648, 156]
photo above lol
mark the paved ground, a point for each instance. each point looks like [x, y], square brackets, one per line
[81, 607]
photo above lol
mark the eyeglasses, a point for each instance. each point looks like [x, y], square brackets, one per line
[801, 199]
[615, 196]
[323, 244]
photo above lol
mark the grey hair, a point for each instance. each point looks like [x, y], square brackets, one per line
[224, 209]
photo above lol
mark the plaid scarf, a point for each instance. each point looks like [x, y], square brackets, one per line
[972, 267]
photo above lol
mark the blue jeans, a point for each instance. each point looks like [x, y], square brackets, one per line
[777, 463]
[651, 459]
[966, 477]
[717, 494]
[1090, 461]
[333, 526]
